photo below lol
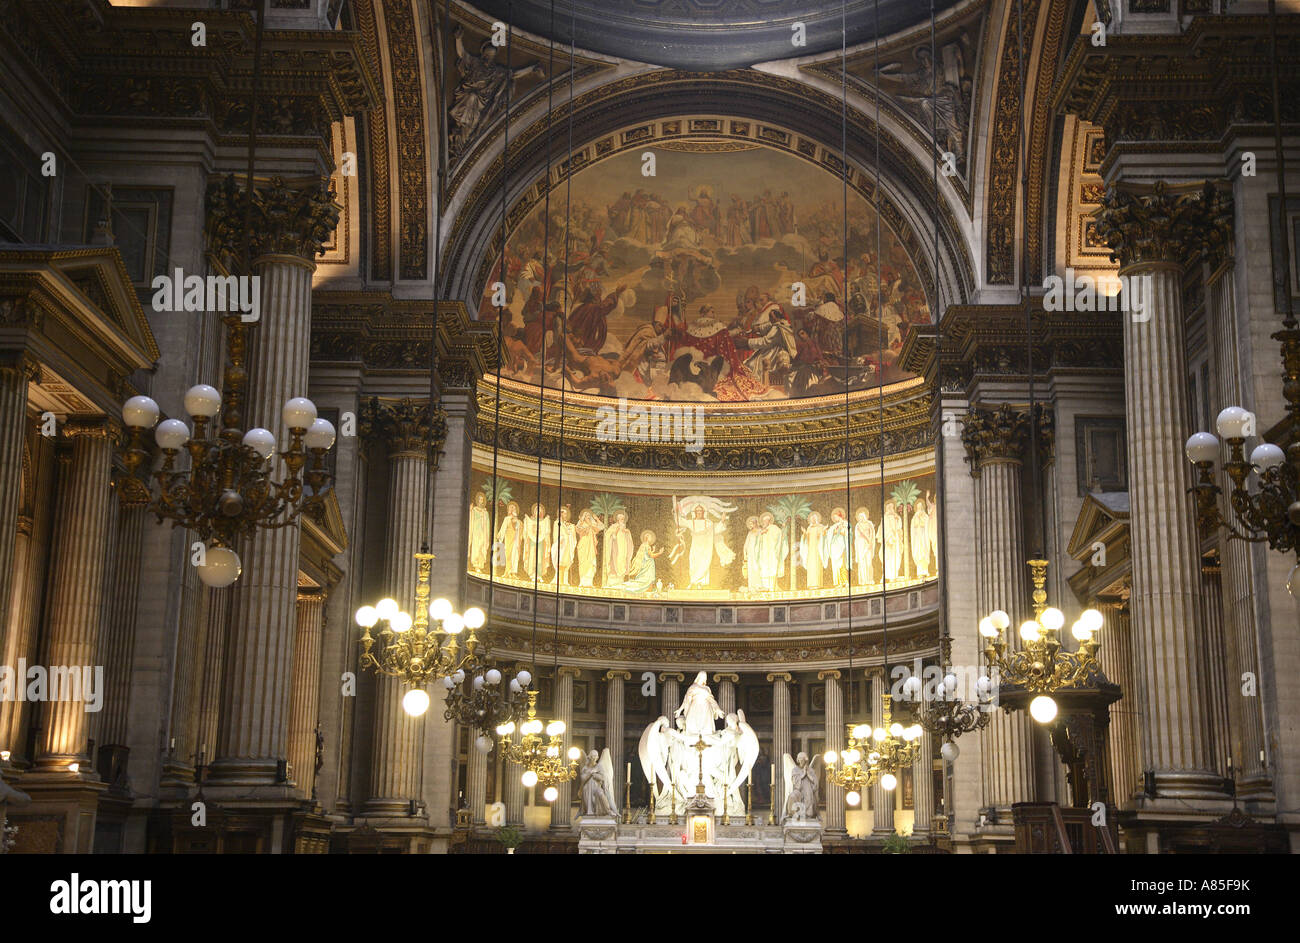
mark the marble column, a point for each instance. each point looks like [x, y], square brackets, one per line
[995, 440]
[118, 644]
[1151, 230]
[476, 781]
[1215, 655]
[1115, 656]
[304, 703]
[834, 819]
[882, 799]
[405, 427]
[562, 807]
[76, 587]
[1238, 571]
[614, 726]
[670, 693]
[923, 787]
[727, 691]
[292, 220]
[15, 541]
[780, 681]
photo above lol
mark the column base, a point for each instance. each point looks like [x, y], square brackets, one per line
[248, 772]
[60, 818]
[381, 807]
[1188, 784]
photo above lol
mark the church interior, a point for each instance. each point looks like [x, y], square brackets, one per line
[624, 426]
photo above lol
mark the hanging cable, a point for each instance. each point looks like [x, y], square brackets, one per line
[937, 316]
[884, 547]
[844, 169]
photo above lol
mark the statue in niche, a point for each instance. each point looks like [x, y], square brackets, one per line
[916, 91]
[596, 785]
[802, 788]
[482, 91]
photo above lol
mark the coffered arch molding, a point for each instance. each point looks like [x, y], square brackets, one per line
[788, 109]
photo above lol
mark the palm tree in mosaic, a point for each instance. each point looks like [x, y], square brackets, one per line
[605, 506]
[788, 512]
[498, 492]
[904, 496]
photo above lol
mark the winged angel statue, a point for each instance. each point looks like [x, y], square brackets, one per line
[802, 785]
[596, 784]
[689, 756]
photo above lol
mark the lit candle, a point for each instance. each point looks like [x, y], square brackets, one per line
[629, 772]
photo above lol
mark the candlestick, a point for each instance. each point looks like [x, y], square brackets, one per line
[749, 802]
[771, 816]
[654, 799]
[672, 785]
[627, 796]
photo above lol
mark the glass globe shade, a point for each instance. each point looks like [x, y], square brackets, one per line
[299, 413]
[506, 729]
[831, 757]
[999, 619]
[171, 434]
[555, 728]
[477, 682]
[1266, 456]
[983, 685]
[1201, 447]
[1080, 631]
[387, 608]
[458, 676]
[454, 624]
[552, 751]
[551, 794]
[575, 753]
[851, 756]
[400, 623]
[873, 758]
[474, 617]
[202, 400]
[439, 609]
[912, 687]
[493, 676]
[1232, 422]
[415, 702]
[221, 567]
[895, 729]
[987, 628]
[862, 731]
[516, 687]
[950, 751]
[852, 797]
[367, 616]
[911, 733]
[888, 782]
[950, 682]
[529, 779]
[1029, 631]
[524, 677]
[1042, 709]
[1092, 620]
[140, 412]
[1052, 619]
[878, 734]
[448, 683]
[320, 435]
[261, 441]
[483, 743]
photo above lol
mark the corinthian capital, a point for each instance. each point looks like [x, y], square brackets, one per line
[1162, 222]
[992, 435]
[288, 217]
[405, 426]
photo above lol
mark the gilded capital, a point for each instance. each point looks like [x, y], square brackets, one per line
[726, 676]
[832, 674]
[675, 675]
[405, 426]
[618, 674]
[992, 435]
[1163, 223]
[569, 671]
[783, 676]
[288, 217]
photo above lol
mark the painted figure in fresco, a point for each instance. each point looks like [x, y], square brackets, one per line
[865, 542]
[772, 550]
[562, 550]
[644, 340]
[642, 576]
[773, 345]
[892, 529]
[753, 576]
[618, 550]
[932, 509]
[812, 549]
[920, 528]
[482, 89]
[480, 534]
[837, 543]
[537, 540]
[706, 539]
[587, 528]
[510, 535]
[589, 322]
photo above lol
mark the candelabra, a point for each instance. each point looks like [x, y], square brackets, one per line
[411, 648]
[945, 714]
[477, 697]
[539, 756]
[229, 489]
[1041, 667]
[885, 750]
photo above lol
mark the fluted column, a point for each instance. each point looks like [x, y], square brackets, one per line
[882, 799]
[405, 427]
[780, 681]
[515, 794]
[727, 691]
[562, 807]
[671, 692]
[15, 372]
[1152, 230]
[476, 780]
[118, 645]
[834, 820]
[1115, 656]
[291, 222]
[77, 585]
[1238, 572]
[995, 441]
[614, 725]
[1215, 656]
[304, 705]
[923, 788]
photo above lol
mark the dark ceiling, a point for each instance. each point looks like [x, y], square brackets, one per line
[708, 34]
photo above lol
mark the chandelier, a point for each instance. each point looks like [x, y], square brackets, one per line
[944, 713]
[539, 756]
[410, 647]
[477, 697]
[230, 487]
[873, 756]
[1041, 666]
